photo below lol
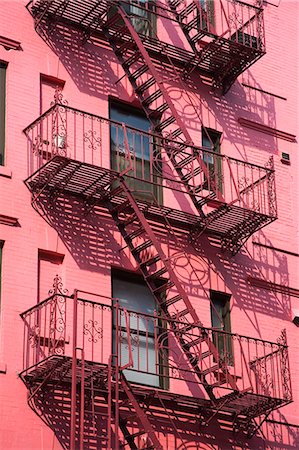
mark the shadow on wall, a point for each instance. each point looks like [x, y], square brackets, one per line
[174, 429]
[88, 64]
[95, 71]
[94, 242]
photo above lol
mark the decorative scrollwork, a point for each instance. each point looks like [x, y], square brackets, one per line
[58, 97]
[93, 331]
[95, 142]
[57, 287]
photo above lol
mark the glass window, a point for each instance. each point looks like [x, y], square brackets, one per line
[220, 318]
[141, 13]
[141, 147]
[134, 295]
[3, 67]
[213, 163]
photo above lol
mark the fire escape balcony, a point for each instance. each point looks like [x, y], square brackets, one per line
[222, 39]
[72, 152]
[96, 335]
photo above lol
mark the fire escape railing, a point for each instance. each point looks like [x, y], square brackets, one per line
[226, 36]
[85, 137]
[259, 367]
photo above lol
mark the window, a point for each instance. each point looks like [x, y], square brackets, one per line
[213, 162]
[1, 248]
[206, 16]
[49, 265]
[220, 318]
[134, 295]
[3, 67]
[141, 151]
[142, 15]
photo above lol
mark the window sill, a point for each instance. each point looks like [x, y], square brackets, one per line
[5, 172]
[3, 367]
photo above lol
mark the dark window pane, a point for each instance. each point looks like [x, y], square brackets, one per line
[2, 110]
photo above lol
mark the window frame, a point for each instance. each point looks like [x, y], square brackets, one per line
[225, 341]
[163, 367]
[156, 185]
[3, 110]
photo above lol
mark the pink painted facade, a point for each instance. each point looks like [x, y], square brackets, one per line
[57, 233]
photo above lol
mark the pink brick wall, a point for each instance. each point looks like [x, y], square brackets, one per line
[91, 247]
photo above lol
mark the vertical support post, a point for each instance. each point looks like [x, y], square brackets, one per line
[82, 399]
[117, 342]
[74, 374]
[109, 443]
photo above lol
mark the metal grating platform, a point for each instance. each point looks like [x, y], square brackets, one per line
[58, 369]
[222, 59]
[91, 183]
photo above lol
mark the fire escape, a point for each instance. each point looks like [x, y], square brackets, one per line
[231, 200]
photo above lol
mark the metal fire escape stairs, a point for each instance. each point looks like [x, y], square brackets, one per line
[189, 15]
[157, 102]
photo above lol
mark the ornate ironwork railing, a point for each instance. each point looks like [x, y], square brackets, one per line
[148, 158]
[236, 20]
[147, 347]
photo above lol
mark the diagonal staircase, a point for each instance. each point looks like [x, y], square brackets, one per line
[128, 46]
[158, 272]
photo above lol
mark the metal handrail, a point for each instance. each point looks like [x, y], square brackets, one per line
[207, 150]
[146, 315]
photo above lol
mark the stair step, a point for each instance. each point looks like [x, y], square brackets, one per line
[142, 247]
[151, 98]
[138, 433]
[190, 8]
[197, 37]
[134, 234]
[131, 60]
[192, 24]
[151, 260]
[176, 133]
[211, 369]
[129, 220]
[164, 287]
[180, 314]
[157, 274]
[171, 300]
[219, 383]
[121, 207]
[186, 328]
[111, 21]
[165, 123]
[116, 191]
[156, 113]
[191, 174]
[145, 86]
[175, 3]
[184, 162]
[124, 47]
[138, 72]
[120, 32]
[196, 341]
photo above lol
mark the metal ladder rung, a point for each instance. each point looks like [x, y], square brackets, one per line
[164, 287]
[142, 246]
[151, 260]
[211, 369]
[131, 60]
[171, 301]
[157, 274]
[193, 173]
[151, 98]
[165, 123]
[146, 85]
[138, 72]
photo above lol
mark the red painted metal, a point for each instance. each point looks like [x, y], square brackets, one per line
[74, 375]
[140, 415]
